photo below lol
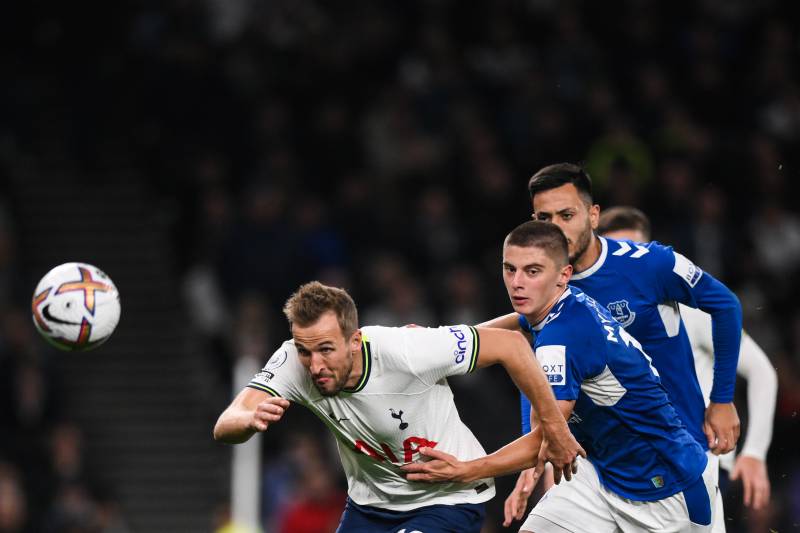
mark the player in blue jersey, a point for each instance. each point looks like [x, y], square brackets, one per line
[641, 286]
[625, 222]
[644, 471]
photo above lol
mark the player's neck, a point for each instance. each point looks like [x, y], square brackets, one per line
[590, 256]
[358, 368]
[535, 319]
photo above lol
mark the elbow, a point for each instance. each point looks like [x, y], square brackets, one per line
[220, 434]
[217, 432]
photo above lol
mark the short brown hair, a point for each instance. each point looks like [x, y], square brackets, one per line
[623, 217]
[544, 235]
[314, 299]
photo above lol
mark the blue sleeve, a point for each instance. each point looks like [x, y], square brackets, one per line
[525, 412]
[684, 282]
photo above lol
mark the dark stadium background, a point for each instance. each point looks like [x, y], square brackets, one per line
[210, 156]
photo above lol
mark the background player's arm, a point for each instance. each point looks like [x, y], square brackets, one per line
[513, 351]
[680, 280]
[511, 458]
[250, 412]
[762, 389]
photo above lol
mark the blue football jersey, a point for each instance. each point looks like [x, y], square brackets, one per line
[640, 285]
[622, 415]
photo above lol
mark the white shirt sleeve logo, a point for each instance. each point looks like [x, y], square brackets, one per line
[554, 363]
[690, 273]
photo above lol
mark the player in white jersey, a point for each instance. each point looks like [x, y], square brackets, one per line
[754, 365]
[383, 393]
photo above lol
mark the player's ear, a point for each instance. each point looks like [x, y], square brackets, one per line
[564, 275]
[594, 216]
[355, 340]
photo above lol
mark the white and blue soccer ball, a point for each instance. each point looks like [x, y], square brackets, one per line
[76, 307]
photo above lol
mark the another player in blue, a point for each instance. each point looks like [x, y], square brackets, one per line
[641, 286]
[644, 470]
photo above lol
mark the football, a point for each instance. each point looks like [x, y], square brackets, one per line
[76, 307]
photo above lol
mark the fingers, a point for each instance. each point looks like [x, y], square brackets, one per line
[269, 411]
[737, 470]
[427, 478]
[582, 453]
[762, 497]
[538, 470]
[568, 472]
[556, 474]
[710, 436]
[434, 453]
[509, 511]
[747, 484]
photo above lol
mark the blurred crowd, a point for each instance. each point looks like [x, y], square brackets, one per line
[47, 481]
[385, 147]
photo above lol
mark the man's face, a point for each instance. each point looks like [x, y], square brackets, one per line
[532, 278]
[564, 207]
[326, 353]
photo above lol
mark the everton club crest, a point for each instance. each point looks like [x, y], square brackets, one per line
[622, 312]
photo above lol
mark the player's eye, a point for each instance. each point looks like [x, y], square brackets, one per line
[532, 271]
[509, 268]
[567, 216]
[541, 216]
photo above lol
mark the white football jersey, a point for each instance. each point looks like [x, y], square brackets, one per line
[401, 403]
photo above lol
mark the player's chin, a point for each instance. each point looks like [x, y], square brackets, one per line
[522, 306]
[328, 390]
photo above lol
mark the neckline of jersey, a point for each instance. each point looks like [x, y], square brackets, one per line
[597, 264]
[366, 366]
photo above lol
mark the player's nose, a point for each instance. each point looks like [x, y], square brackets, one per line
[316, 364]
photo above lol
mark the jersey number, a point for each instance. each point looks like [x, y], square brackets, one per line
[410, 447]
[629, 340]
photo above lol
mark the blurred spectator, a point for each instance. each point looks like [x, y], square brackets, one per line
[13, 503]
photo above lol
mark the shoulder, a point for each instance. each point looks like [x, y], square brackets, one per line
[571, 321]
[640, 255]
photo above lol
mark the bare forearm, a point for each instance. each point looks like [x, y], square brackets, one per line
[234, 426]
[532, 381]
[516, 456]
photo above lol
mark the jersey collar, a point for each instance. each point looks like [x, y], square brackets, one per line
[597, 264]
[553, 313]
[366, 366]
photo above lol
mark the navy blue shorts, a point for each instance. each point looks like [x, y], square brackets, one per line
[462, 518]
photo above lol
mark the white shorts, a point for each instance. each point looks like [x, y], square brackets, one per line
[583, 505]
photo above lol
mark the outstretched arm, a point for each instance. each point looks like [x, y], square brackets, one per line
[518, 455]
[509, 321]
[762, 389]
[250, 412]
[513, 351]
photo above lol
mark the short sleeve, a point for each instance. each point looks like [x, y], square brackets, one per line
[562, 372]
[568, 356]
[282, 376]
[436, 353]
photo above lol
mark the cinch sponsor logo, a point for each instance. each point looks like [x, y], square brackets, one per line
[461, 344]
